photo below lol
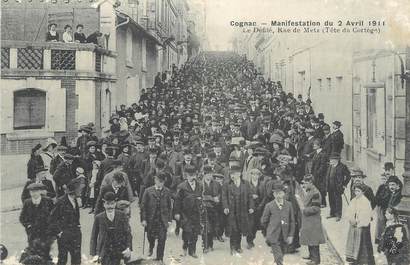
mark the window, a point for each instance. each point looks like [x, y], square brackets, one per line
[128, 45]
[29, 109]
[329, 83]
[319, 83]
[371, 117]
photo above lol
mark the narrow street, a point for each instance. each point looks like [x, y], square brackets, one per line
[10, 227]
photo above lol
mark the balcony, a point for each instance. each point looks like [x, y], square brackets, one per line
[20, 59]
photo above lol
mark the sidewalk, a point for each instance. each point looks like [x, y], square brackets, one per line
[10, 199]
[337, 234]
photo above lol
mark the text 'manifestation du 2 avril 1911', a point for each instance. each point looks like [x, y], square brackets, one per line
[309, 26]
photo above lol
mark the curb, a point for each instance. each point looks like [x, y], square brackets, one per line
[332, 248]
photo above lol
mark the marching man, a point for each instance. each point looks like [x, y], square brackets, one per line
[110, 237]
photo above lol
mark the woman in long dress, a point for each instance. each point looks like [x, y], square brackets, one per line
[359, 248]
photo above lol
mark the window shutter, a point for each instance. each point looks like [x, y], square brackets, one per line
[363, 116]
[56, 109]
[380, 143]
[7, 107]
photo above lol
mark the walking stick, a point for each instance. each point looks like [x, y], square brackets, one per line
[143, 243]
[344, 195]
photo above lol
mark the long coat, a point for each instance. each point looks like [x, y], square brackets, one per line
[260, 201]
[187, 205]
[319, 169]
[100, 235]
[246, 203]
[340, 179]
[337, 142]
[311, 233]
[277, 221]
[35, 218]
[149, 204]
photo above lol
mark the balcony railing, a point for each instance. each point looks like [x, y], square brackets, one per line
[49, 56]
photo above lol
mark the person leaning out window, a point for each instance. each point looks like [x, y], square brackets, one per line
[52, 34]
[68, 34]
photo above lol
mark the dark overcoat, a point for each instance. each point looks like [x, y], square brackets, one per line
[187, 205]
[319, 169]
[246, 203]
[149, 204]
[104, 228]
[34, 218]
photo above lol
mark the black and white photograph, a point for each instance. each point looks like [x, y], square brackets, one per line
[201, 132]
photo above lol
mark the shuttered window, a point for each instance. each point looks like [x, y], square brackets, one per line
[29, 109]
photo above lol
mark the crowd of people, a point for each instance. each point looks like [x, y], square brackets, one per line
[222, 152]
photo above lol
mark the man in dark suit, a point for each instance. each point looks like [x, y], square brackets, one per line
[337, 178]
[210, 198]
[64, 222]
[58, 158]
[34, 215]
[187, 209]
[111, 236]
[327, 140]
[237, 203]
[64, 174]
[319, 169]
[117, 187]
[156, 214]
[337, 138]
[278, 218]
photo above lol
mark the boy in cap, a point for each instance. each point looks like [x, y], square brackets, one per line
[187, 209]
[64, 222]
[237, 203]
[34, 215]
[110, 237]
[156, 214]
[278, 218]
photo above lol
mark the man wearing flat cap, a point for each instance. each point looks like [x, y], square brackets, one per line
[64, 222]
[311, 232]
[35, 213]
[238, 204]
[111, 236]
[64, 174]
[278, 219]
[187, 210]
[41, 178]
[337, 138]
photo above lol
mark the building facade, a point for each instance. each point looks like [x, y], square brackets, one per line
[354, 80]
[139, 39]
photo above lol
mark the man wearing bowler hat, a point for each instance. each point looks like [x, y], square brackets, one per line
[156, 214]
[337, 178]
[358, 177]
[337, 138]
[187, 210]
[64, 222]
[278, 219]
[111, 236]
